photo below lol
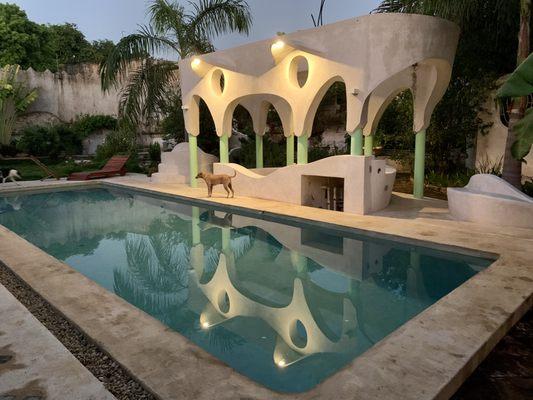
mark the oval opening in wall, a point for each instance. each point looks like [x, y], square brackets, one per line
[218, 81]
[299, 71]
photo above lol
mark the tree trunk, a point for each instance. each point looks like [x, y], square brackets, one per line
[512, 168]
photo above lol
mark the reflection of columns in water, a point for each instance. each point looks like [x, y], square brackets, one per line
[226, 302]
[414, 283]
[195, 221]
[298, 261]
[226, 239]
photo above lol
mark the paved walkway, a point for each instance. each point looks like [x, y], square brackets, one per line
[34, 364]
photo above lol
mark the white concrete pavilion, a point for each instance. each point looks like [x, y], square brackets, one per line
[376, 56]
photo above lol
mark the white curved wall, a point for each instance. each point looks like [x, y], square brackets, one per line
[368, 182]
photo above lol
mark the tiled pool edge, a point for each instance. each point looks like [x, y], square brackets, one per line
[393, 368]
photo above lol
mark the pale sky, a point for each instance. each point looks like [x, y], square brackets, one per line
[112, 19]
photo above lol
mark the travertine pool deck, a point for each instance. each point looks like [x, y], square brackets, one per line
[35, 364]
[427, 358]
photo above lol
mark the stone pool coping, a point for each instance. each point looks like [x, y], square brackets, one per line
[427, 358]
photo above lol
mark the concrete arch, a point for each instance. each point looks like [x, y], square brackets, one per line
[313, 107]
[258, 106]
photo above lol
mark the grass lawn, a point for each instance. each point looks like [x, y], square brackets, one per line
[29, 171]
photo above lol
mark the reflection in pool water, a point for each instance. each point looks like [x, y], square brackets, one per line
[285, 304]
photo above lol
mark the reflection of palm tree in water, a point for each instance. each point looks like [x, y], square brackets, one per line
[157, 278]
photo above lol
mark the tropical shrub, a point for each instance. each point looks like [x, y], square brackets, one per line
[53, 141]
[154, 152]
[88, 124]
[120, 142]
[15, 98]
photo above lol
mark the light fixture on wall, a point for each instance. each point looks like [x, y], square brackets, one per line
[280, 49]
[200, 67]
[196, 63]
[355, 92]
[278, 45]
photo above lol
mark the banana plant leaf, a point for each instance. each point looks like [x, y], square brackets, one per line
[520, 83]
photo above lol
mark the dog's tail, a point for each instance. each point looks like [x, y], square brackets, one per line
[234, 174]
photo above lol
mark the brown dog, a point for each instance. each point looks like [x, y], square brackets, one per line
[213, 180]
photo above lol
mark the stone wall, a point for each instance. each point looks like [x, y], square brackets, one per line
[65, 95]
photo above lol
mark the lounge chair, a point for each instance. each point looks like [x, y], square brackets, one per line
[115, 166]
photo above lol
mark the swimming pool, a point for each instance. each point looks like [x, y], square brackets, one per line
[285, 304]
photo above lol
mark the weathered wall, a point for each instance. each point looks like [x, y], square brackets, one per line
[490, 148]
[65, 95]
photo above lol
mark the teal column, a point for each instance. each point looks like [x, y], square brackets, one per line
[420, 164]
[258, 151]
[224, 149]
[290, 150]
[356, 143]
[193, 160]
[303, 148]
[369, 145]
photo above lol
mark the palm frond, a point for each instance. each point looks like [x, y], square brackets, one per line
[166, 17]
[459, 11]
[147, 90]
[211, 18]
[138, 46]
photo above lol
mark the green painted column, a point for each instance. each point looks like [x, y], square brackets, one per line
[290, 150]
[224, 149]
[420, 164]
[356, 143]
[258, 151]
[303, 149]
[369, 145]
[193, 160]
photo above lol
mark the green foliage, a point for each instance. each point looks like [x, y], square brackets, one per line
[331, 111]
[274, 154]
[51, 141]
[88, 124]
[23, 42]
[15, 98]
[120, 142]
[30, 171]
[456, 179]
[173, 29]
[173, 124]
[154, 152]
[527, 187]
[41, 47]
[487, 49]
[520, 83]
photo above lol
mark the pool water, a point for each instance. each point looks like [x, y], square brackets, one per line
[285, 304]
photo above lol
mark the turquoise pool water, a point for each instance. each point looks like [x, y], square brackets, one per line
[285, 304]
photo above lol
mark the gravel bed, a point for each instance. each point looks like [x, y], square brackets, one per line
[115, 378]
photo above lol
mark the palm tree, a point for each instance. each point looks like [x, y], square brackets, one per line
[463, 12]
[148, 82]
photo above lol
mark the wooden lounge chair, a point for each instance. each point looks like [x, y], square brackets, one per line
[115, 166]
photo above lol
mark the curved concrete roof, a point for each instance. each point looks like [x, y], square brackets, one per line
[376, 56]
